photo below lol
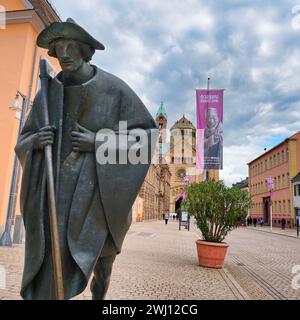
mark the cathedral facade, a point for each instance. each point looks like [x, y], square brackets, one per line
[180, 156]
[173, 160]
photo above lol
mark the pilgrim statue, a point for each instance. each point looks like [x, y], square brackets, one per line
[93, 197]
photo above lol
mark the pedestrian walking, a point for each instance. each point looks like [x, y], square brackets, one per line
[250, 221]
[283, 222]
[261, 221]
[254, 222]
[166, 217]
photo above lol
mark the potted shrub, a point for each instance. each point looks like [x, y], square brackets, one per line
[217, 210]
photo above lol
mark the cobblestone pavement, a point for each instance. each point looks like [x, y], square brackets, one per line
[159, 262]
[262, 262]
[287, 232]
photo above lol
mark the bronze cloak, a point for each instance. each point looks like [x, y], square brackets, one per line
[89, 193]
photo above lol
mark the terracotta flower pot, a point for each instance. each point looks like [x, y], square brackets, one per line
[211, 254]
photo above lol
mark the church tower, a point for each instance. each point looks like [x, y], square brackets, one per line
[182, 157]
[161, 121]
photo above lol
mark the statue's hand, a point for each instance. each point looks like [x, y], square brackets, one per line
[83, 140]
[45, 136]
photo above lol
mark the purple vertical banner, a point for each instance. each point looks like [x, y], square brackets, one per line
[209, 129]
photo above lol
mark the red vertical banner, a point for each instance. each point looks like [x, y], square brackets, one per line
[209, 129]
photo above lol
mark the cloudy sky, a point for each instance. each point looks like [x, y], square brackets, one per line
[166, 49]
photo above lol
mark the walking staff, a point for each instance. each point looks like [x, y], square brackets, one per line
[58, 277]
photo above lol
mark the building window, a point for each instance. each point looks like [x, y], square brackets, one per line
[266, 165]
[278, 182]
[279, 206]
[297, 190]
[282, 156]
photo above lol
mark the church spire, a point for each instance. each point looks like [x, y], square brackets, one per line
[161, 111]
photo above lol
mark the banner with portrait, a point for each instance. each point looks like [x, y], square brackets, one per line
[209, 129]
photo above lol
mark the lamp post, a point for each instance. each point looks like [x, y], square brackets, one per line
[6, 238]
[270, 184]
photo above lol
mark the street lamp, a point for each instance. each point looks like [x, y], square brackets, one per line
[270, 184]
[6, 238]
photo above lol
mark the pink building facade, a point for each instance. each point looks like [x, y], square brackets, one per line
[282, 163]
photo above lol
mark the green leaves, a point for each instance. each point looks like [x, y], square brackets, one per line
[216, 208]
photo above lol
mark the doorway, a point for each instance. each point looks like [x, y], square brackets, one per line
[266, 206]
[178, 204]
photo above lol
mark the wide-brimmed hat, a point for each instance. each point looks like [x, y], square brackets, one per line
[67, 30]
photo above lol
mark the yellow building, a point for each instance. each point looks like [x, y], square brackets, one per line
[137, 209]
[19, 61]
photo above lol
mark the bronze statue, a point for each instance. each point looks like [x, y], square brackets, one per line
[93, 200]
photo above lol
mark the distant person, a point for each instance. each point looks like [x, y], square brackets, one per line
[283, 222]
[166, 218]
[250, 221]
[261, 221]
[254, 222]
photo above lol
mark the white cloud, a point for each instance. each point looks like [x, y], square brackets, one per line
[236, 158]
[167, 49]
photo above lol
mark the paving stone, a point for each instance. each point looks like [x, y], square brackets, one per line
[160, 262]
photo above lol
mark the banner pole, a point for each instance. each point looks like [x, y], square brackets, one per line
[208, 88]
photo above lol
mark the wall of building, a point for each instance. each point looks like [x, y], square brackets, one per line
[281, 164]
[17, 66]
[137, 210]
[11, 5]
[296, 194]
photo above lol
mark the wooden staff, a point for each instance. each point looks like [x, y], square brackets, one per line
[58, 277]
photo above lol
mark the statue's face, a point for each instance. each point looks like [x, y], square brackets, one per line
[211, 121]
[69, 55]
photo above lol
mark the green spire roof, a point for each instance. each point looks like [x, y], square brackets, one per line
[161, 110]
